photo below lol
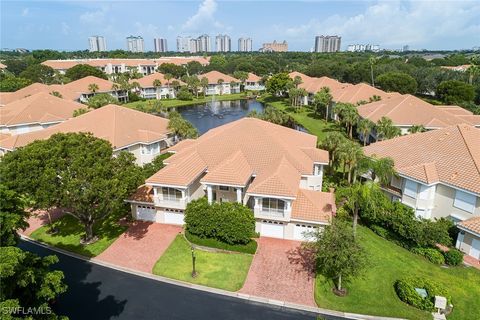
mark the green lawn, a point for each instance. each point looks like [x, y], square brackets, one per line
[219, 270]
[71, 231]
[374, 294]
[304, 117]
[181, 103]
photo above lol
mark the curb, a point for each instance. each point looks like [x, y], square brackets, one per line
[243, 296]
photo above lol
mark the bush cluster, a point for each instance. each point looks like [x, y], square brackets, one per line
[184, 94]
[405, 289]
[431, 254]
[229, 222]
[453, 257]
[250, 247]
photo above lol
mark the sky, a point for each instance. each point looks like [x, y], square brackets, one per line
[66, 25]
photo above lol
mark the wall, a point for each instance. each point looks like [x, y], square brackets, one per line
[444, 199]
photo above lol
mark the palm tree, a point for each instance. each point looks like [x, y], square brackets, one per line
[372, 61]
[322, 100]
[417, 128]
[204, 84]
[168, 77]
[157, 83]
[386, 130]
[382, 169]
[350, 118]
[93, 87]
[473, 71]
[220, 82]
[351, 155]
[331, 143]
[297, 81]
[364, 128]
[242, 76]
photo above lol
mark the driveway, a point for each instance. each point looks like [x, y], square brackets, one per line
[281, 270]
[140, 246]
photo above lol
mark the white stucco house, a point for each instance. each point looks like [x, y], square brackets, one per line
[220, 83]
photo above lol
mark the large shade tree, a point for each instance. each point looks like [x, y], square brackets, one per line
[84, 70]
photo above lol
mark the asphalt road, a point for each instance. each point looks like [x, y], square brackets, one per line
[96, 292]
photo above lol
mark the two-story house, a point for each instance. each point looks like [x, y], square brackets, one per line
[254, 83]
[220, 83]
[275, 171]
[438, 176]
[155, 86]
[142, 134]
[83, 89]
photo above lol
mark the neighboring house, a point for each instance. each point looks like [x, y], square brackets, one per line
[7, 97]
[275, 171]
[142, 134]
[438, 171]
[313, 85]
[148, 91]
[468, 239]
[36, 112]
[79, 90]
[228, 84]
[114, 66]
[2, 67]
[254, 83]
[360, 93]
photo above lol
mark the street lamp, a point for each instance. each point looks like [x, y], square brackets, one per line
[194, 272]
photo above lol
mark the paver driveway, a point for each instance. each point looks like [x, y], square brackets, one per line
[140, 246]
[281, 270]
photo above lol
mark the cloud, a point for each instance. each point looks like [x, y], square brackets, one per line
[204, 18]
[25, 12]
[395, 23]
[93, 17]
[65, 28]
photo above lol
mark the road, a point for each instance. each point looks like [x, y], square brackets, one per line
[96, 292]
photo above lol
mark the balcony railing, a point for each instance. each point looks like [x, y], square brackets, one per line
[272, 212]
[171, 202]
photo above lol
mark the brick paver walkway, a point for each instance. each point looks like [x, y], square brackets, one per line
[39, 218]
[472, 261]
[281, 270]
[140, 246]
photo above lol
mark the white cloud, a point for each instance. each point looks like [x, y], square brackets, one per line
[395, 23]
[25, 12]
[93, 17]
[204, 19]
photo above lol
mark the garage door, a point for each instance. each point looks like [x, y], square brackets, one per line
[272, 229]
[174, 217]
[303, 232]
[475, 249]
[146, 213]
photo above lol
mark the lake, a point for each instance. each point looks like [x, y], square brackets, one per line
[212, 114]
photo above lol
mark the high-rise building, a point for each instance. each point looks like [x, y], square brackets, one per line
[406, 48]
[223, 43]
[245, 44]
[327, 43]
[274, 46]
[160, 45]
[97, 43]
[200, 44]
[363, 47]
[135, 44]
[183, 44]
[203, 43]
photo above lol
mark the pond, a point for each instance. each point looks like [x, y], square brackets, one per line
[212, 114]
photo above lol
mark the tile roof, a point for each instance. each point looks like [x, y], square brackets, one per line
[408, 110]
[119, 125]
[456, 110]
[313, 84]
[259, 147]
[81, 85]
[359, 92]
[214, 76]
[472, 224]
[143, 193]
[38, 108]
[147, 81]
[253, 78]
[450, 155]
[314, 206]
[2, 66]
[7, 97]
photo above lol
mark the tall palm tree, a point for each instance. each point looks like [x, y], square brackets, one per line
[204, 84]
[322, 100]
[385, 129]
[473, 71]
[220, 82]
[331, 143]
[364, 128]
[168, 77]
[350, 118]
[372, 61]
[297, 81]
[351, 154]
[93, 87]
[157, 83]
[382, 170]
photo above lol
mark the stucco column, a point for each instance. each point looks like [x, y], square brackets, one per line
[155, 192]
[209, 193]
[239, 195]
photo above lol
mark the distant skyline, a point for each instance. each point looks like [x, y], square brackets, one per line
[67, 25]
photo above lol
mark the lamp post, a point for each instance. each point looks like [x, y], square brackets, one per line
[194, 272]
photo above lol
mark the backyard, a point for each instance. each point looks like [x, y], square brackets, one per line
[374, 293]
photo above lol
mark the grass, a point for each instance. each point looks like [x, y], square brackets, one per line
[71, 232]
[250, 247]
[182, 103]
[304, 117]
[219, 270]
[374, 294]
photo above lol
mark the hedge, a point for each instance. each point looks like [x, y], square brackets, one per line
[405, 289]
[250, 247]
[453, 257]
[432, 255]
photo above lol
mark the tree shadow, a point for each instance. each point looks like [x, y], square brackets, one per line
[303, 257]
[138, 229]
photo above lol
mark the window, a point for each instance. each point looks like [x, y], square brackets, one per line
[273, 205]
[153, 148]
[464, 201]
[224, 188]
[171, 194]
[410, 189]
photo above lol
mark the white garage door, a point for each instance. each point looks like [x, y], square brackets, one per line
[174, 217]
[272, 229]
[146, 213]
[303, 232]
[475, 249]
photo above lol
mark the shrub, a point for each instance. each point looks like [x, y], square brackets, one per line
[432, 255]
[405, 289]
[453, 257]
[250, 247]
[184, 94]
[382, 232]
[198, 221]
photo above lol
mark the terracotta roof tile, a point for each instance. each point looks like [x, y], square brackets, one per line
[472, 224]
[253, 78]
[214, 76]
[359, 92]
[233, 171]
[147, 81]
[143, 193]
[314, 206]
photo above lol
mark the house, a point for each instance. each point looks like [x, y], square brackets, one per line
[36, 112]
[360, 93]
[468, 240]
[147, 90]
[2, 67]
[142, 134]
[275, 171]
[254, 83]
[7, 97]
[313, 85]
[80, 90]
[220, 83]
[438, 171]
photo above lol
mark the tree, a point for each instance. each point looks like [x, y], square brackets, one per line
[242, 76]
[397, 82]
[27, 281]
[220, 82]
[381, 169]
[338, 254]
[364, 128]
[372, 61]
[157, 83]
[93, 87]
[16, 66]
[454, 92]
[194, 67]
[39, 73]
[12, 83]
[12, 216]
[100, 100]
[417, 128]
[79, 112]
[193, 83]
[348, 115]
[473, 71]
[297, 80]
[181, 127]
[351, 154]
[386, 130]
[84, 70]
[273, 115]
[204, 84]
[154, 166]
[168, 77]
[75, 171]
[322, 100]
[331, 143]
[278, 84]
[173, 69]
